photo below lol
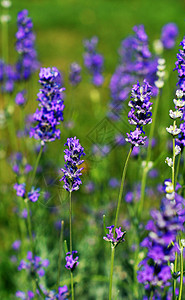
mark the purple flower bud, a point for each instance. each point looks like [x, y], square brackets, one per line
[20, 188]
[71, 263]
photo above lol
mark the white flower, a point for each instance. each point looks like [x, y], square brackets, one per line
[179, 93]
[169, 162]
[158, 47]
[173, 130]
[175, 114]
[159, 83]
[5, 18]
[6, 3]
[179, 103]
[177, 150]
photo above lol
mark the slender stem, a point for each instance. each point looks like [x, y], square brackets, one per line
[111, 271]
[30, 227]
[174, 280]
[173, 168]
[181, 271]
[70, 221]
[148, 157]
[177, 168]
[121, 188]
[72, 287]
[116, 220]
[60, 252]
[70, 233]
[27, 204]
[35, 167]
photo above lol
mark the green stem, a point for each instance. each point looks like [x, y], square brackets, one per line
[70, 233]
[116, 220]
[30, 227]
[35, 167]
[70, 222]
[173, 168]
[181, 272]
[174, 280]
[60, 253]
[177, 168]
[72, 287]
[111, 271]
[148, 157]
[121, 188]
[26, 201]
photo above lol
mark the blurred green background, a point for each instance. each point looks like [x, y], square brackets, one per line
[60, 28]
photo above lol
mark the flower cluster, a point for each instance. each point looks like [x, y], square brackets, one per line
[119, 88]
[34, 264]
[19, 164]
[20, 98]
[154, 269]
[73, 161]
[168, 35]
[114, 240]
[71, 263]
[25, 46]
[52, 105]
[75, 74]
[136, 62]
[25, 296]
[33, 195]
[140, 113]
[93, 61]
[8, 76]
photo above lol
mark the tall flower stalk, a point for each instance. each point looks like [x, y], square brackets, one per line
[139, 115]
[72, 172]
[159, 84]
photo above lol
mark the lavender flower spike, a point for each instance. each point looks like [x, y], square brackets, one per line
[52, 105]
[73, 160]
[71, 263]
[110, 236]
[140, 113]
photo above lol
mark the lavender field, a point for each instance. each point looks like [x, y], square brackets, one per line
[92, 136]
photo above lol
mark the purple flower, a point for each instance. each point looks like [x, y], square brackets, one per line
[23, 296]
[19, 164]
[71, 263]
[24, 213]
[93, 61]
[34, 264]
[154, 271]
[180, 66]
[114, 240]
[52, 105]
[20, 188]
[168, 35]
[114, 183]
[20, 99]
[89, 187]
[16, 245]
[61, 295]
[25, 46]
[34, 194]
[129, 197]
[75, 76]
[73, 161]
[140, 113]
[8, 76]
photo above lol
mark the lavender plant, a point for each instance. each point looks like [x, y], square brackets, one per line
[72, 180]
[161, 265]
